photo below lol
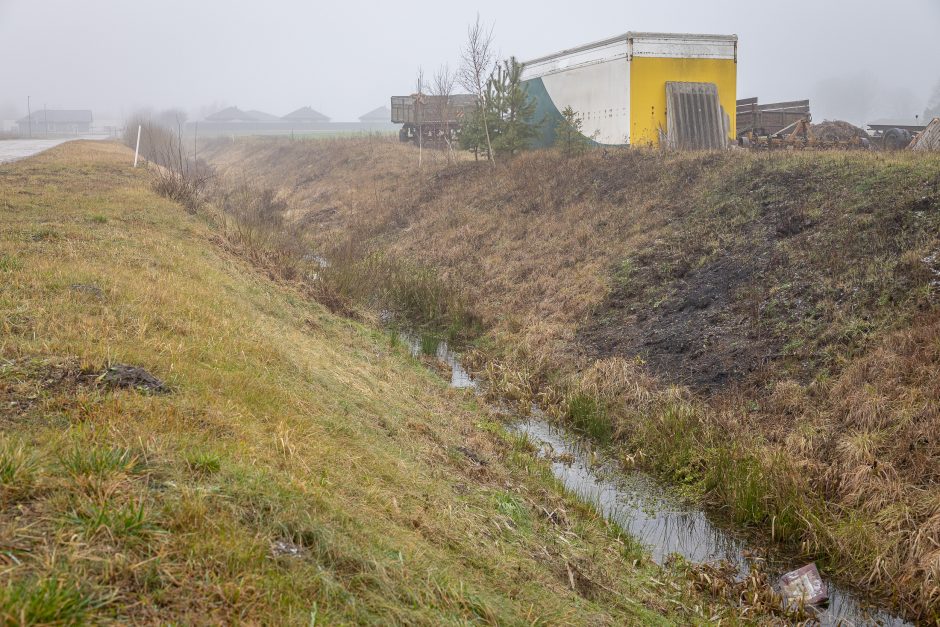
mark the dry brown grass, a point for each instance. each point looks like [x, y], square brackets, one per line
[824, 430]
[300, 470]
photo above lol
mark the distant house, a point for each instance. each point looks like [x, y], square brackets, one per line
[306, 115]
[261, 116]
[382, 115]
[233, 121]
[55, 121]
[234, 114]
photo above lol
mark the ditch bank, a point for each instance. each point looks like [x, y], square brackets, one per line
[667, 524]
[798, 395]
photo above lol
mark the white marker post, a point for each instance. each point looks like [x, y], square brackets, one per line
[137, 149]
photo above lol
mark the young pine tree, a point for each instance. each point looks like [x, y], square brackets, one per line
[511, 109]
[473, 134]
[569, 134]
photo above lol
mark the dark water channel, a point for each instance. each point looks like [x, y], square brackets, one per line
[653, 513]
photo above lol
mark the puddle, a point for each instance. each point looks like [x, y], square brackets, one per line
[645, 508]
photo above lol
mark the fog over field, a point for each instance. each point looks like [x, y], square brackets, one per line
[858, 60]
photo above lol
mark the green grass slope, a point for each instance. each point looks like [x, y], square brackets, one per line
[298, 469]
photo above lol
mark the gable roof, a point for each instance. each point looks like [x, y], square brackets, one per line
[231, 114]
[62, 116]
[261, 116]
[305, 114]
[382, 114]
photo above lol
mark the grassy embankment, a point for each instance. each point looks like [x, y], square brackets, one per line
[763, 328]
[299, 469]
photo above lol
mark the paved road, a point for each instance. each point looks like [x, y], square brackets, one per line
[13, 149]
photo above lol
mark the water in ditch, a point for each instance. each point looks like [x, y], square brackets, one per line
[431, 346]
[658, 517]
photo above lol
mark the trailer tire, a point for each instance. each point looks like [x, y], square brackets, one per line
[896, 139]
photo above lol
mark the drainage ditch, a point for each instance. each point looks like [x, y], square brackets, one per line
[655, 514]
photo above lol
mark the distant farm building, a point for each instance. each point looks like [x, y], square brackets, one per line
[55, 121]
[234, 114]
[261, 116]
[306, 115]
[233, 121]
[382, 115]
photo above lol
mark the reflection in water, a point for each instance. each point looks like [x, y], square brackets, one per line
[459, 378]
[636, 502]
[649, 511]
[665, 523]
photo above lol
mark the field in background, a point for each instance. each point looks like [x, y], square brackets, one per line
[759, 327]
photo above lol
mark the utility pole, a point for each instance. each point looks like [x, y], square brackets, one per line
[29, 118]
[45, 117]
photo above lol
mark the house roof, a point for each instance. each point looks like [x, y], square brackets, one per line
[231, 114]
[261, 116]
[61, 116]
[382, 114]
[306, 114]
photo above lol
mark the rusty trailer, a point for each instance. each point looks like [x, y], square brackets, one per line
[431, 119]
[769, 119]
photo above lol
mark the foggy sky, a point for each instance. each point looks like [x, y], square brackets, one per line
[857, 60]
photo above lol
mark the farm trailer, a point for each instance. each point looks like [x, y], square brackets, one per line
[431, 118]
[770, 119]
[641, 89]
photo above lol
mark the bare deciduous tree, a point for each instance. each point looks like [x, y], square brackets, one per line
[176, 175]
[476, 60]
[419, 111]
[442, 89]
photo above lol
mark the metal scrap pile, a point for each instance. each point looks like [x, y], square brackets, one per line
[837, 131]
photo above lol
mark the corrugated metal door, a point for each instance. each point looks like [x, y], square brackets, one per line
[695, 119]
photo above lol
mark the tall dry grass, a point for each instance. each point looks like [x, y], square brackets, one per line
[299, 470]
[828, 447]
[177, 173]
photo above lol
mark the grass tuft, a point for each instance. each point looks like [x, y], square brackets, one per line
[9, 263]
[429, 344]
[510, 506]
[204, 462]
[120, 522]
[49, 601]
[17, 468]
[589, 416]
[100, 461]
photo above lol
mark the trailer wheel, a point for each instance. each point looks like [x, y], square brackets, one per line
[896, 139]
[404, 134]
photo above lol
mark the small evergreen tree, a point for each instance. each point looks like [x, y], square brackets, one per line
[569, 136]
[473, 134]
[507, 114]
[512, 109]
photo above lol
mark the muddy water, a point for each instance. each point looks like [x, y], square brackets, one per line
[649, 511]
